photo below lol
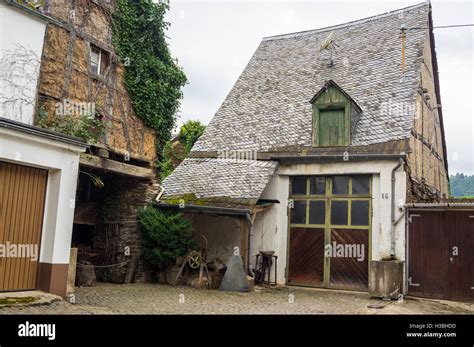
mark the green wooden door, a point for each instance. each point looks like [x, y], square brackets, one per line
[331, 123]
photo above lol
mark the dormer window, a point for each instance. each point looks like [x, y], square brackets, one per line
[334, 116]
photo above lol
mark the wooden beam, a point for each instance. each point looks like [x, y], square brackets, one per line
[244, 247]
[116, 166]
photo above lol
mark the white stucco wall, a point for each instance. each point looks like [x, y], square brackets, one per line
[62, 162]
[271, 228]
[21, 47]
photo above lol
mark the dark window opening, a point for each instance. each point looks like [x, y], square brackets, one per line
[360, 184]
[339, 212]
[360, 212]
[298, 185]
[298, 212]
[317, 212]
[340, 185]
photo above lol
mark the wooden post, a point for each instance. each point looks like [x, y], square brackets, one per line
[244, 247]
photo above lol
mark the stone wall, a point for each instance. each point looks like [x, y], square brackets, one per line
[427, 176]
[120, 229]
[66, 74]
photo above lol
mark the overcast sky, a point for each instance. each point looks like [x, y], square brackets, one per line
[214, 40]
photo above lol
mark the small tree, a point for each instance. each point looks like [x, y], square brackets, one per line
[190, 133]
[166, 236]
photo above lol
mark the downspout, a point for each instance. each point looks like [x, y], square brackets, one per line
[392, 211]
[250, 224]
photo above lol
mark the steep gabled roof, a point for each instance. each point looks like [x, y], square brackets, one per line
[268, 109]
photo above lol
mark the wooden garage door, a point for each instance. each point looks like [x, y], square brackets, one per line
[440, 254]
[22, 198]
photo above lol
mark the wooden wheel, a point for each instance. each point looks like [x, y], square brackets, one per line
[194, 259]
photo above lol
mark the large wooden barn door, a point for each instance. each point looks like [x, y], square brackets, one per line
[440, 254]
[330, 223]
[22, 199]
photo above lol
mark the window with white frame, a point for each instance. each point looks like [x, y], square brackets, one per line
[99, 60]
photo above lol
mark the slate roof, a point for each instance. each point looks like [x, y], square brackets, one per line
[268, 108]
[225, 181]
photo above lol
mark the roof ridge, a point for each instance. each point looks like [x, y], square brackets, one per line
[347, 24]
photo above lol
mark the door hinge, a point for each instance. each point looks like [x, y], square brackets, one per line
[411, 216]
[412, 284]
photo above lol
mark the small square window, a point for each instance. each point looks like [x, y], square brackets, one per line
[317, 185]
[298, 185]
[360, 184]
[298, 212]
[339, 212]
[340, 185]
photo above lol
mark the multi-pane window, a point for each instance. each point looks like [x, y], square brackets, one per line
[333, 200]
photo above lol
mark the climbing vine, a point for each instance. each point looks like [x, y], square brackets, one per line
[152, 77]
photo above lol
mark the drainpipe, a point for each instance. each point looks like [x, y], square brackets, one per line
[250, 223]
[392, 211]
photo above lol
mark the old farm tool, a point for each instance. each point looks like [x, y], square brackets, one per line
[195, 259]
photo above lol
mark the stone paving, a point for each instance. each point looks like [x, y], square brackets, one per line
[140, 298]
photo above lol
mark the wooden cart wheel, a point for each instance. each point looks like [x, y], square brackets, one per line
[194, 259]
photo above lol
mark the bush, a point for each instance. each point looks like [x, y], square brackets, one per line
[190, 133]
[166, 236]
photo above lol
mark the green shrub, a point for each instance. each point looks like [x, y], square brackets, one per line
[190, 133]
[166, 236]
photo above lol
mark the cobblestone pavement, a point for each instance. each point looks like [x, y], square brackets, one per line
[139, 298]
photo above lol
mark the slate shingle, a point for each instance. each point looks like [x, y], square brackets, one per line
[268, 108]
[217, 178]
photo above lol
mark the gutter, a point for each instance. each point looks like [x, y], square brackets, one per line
[33, 13]
[337, 157]
[392, 210]
[440, 205]
[40, 132]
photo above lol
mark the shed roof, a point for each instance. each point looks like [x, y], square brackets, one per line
[224, 182]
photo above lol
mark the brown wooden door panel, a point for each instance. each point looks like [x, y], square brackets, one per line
[434, 269]
[347, 271]
[461, 274]
[22, 198]
[306, 256]
[428, 255]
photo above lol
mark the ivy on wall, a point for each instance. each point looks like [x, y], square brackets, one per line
[152, 77]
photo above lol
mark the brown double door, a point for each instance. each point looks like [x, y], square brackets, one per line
[22, 199]
[441, 254]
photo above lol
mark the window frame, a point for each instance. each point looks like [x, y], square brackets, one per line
[101, 53]
[328, 197]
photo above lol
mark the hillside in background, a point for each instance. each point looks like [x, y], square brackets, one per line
[462, 185]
